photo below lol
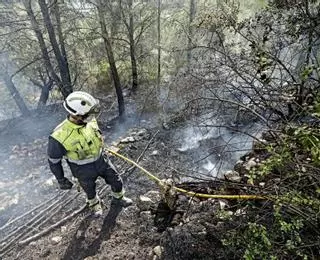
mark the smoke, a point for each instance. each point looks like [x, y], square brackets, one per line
[214, 150]
[23, 164]
[25, 178]
[193, 135]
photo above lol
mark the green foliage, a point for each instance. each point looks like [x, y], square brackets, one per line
[280, 238]
[306, 72]
[308, 140]
[254, 241]
[104, 82]
[259, 245]
[288, 229]
[279, 157]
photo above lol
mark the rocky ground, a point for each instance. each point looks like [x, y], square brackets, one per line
[51, 224]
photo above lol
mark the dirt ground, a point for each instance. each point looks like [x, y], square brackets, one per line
[136, 232]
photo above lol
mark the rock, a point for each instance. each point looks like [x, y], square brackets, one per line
[114, 148]
[250, 164]
[262, 184]
[131, 256]
[183, 149]
[115, 143]
[232, 176]
[225, 215]
[155, 152]
[240, 168]
[91, 258]
[80, 234]
[63, 229]
[142, 132]
[56, 240]
[202, 234]
[165, 126]
[222, 204]
[129, 139]
[150, 254]
[158, 250]
[146, 217]
[49, 182]
[144, 203]
[155, 195]
[240, 212]
[220, 225]
[13, 156]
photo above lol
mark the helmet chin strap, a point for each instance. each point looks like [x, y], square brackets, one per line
[79, 120]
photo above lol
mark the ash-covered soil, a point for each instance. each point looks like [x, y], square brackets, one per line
[38, 221]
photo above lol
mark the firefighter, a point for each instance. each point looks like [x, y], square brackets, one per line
[79, 140]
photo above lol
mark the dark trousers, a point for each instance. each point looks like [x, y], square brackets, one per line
[87, 175]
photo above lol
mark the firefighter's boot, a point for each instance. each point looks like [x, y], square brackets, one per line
[122, 201]
[95, 205]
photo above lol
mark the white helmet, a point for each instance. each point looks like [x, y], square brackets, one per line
[80, 103]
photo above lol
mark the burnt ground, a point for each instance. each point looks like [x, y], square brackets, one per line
[132, 233]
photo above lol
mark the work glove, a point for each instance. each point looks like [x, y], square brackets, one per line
[65, 184]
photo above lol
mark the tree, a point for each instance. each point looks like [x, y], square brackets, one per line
[43, 47]
[14, 92]
[130, 29]
[192, 11]
[59, 51]
[159, 43]
[109, 50]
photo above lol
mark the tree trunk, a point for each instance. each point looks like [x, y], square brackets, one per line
[61, 39]
[114, 71]
[45, 90]
[115, 16]
[62, 64]
[130, 27]
[191, 18]
[43, 47]
[15, 94]
[159, 44]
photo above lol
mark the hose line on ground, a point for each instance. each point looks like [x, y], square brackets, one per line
[190, 193]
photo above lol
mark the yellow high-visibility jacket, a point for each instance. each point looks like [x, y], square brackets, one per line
[82, 142]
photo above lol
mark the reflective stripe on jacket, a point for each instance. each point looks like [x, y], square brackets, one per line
[82, 142]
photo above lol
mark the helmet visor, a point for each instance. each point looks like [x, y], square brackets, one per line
[95, 109]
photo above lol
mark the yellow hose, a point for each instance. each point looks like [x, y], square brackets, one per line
[190, 193]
